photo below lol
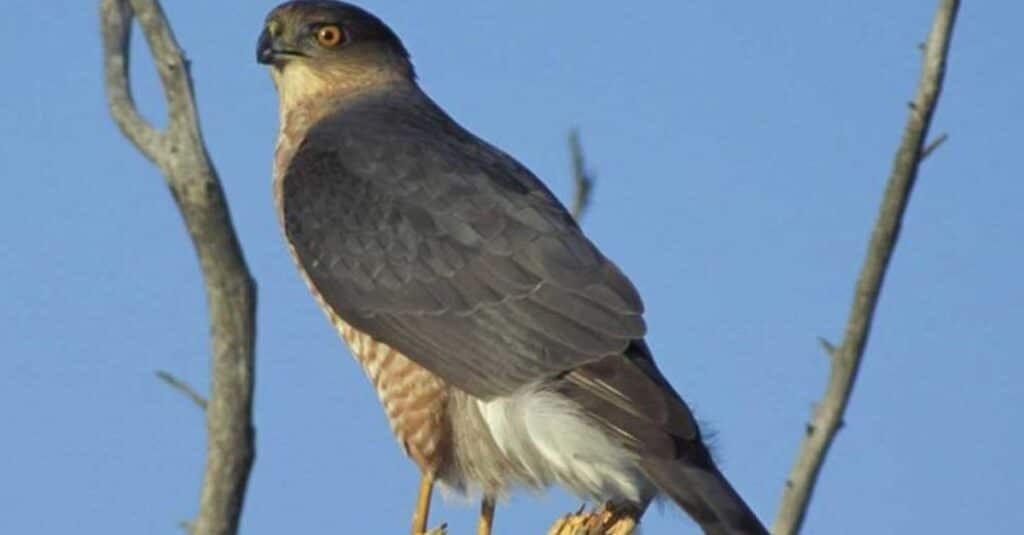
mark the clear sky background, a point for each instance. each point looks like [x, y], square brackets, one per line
[740, 149]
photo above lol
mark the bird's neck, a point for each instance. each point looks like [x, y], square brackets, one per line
[308, 92]
[306, 95]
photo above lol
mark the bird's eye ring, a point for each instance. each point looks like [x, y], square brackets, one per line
[329, 35]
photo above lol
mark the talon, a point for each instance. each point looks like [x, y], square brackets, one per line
[609, 519]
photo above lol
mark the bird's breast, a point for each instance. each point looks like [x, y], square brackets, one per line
[414, 399]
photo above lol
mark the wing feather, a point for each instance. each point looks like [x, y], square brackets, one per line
[432, 241]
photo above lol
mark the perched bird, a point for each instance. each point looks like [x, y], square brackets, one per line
[506, 349]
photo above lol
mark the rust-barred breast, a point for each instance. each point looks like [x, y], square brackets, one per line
[414, 399]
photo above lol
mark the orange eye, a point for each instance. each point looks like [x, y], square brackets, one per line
[329, 36]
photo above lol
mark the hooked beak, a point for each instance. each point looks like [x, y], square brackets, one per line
[268, 52]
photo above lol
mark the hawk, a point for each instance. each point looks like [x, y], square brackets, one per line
[507, 350]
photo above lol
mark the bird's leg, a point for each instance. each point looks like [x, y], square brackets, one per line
[422, 511]
[486, 522]
[618, 519]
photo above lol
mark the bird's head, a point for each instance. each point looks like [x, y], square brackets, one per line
[312, 45]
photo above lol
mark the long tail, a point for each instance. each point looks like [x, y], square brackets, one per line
[700, 489]
[632, 399]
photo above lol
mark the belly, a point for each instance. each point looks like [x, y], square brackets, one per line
[555, 442]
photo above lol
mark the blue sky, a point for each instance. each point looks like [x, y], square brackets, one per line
[740, 151]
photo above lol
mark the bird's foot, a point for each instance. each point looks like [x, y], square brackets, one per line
[609, 519]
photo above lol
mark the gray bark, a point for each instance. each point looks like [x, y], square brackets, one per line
[181, 155]
[846, 359]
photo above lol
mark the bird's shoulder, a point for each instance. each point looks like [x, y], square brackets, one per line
[400, 138]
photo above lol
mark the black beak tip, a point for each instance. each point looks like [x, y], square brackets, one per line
[265, 56]
[264, 49]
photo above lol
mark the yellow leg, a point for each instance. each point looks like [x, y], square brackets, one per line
[419, 516]
[486, 516]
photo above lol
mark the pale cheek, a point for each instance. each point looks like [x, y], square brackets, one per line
[297, 82]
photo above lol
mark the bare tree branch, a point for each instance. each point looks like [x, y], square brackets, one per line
[182, 387]
[180, 154]
[582, 181]
[828, 416]
[116, 60]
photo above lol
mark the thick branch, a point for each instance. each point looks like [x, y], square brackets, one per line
[847, 357]
[116, 26]
[230, 289]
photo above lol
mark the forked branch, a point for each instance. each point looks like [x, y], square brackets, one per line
[181, 155]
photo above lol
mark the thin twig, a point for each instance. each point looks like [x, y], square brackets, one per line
[830, 349]
[936, 143]
[180, 154]
[583, 182]
[182, 387]
[828, 416]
